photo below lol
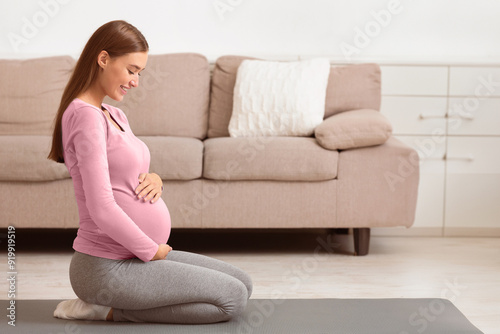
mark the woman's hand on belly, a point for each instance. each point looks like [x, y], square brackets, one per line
[162, 252]
[150, 187]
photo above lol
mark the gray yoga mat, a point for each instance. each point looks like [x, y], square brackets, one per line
[288, 316]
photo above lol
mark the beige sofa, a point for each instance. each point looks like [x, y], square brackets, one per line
[181, 111]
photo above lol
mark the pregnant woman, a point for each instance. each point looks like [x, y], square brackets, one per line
[122, 268]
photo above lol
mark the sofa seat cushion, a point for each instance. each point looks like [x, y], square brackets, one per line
[268, 158]
[175, 158]
[24, 158]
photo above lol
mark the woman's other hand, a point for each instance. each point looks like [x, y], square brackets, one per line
[162, 252]
[150, 186]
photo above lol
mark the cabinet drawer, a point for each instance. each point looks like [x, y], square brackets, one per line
[472, 200]
[473, 155]
[473, 186]
[475, 81]
[411, 115]
[415, 80]
[430, 210]
[473, 116]
[430, 199]
[431, 150]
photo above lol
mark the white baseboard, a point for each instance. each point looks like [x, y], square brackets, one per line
[436, 231]
[407, 232]
[472, 232]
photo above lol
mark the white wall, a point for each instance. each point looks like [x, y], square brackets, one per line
[416, 30]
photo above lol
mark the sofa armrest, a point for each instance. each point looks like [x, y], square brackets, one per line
[352, 129]
[378, 186]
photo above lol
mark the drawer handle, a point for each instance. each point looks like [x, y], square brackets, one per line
[427, 116]
[433, 158]
[470, 157]
[464, 116]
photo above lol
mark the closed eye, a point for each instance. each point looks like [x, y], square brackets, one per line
[132, 73]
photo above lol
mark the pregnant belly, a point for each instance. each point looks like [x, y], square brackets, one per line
[152, 218]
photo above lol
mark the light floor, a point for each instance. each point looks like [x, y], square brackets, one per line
[306, 264]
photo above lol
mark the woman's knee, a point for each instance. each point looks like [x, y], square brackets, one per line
[247, 281]
[243, 277]
[212, 263]
[236, 299]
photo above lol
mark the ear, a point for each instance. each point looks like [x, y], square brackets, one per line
[103, 59]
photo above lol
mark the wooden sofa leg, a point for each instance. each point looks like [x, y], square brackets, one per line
[361, 241]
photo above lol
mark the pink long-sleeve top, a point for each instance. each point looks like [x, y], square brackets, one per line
[104, 163]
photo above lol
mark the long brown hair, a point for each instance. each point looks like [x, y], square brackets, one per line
[117, 38]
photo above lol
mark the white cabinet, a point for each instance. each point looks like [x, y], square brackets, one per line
[483, 81]
[414, 99]
[472, 205]
[430, 211]
[472, 185]
[483, 119]
[415, 115]
[451, 116]
[414, 80]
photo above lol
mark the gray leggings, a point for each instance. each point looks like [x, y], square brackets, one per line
[184, 288]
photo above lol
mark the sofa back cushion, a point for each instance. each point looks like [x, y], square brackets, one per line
[172, 98]
[353, 87]
[349, 87]
[30, 93]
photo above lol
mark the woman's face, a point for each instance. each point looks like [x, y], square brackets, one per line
[121, 73]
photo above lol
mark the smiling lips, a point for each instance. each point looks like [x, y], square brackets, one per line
[124, 89]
